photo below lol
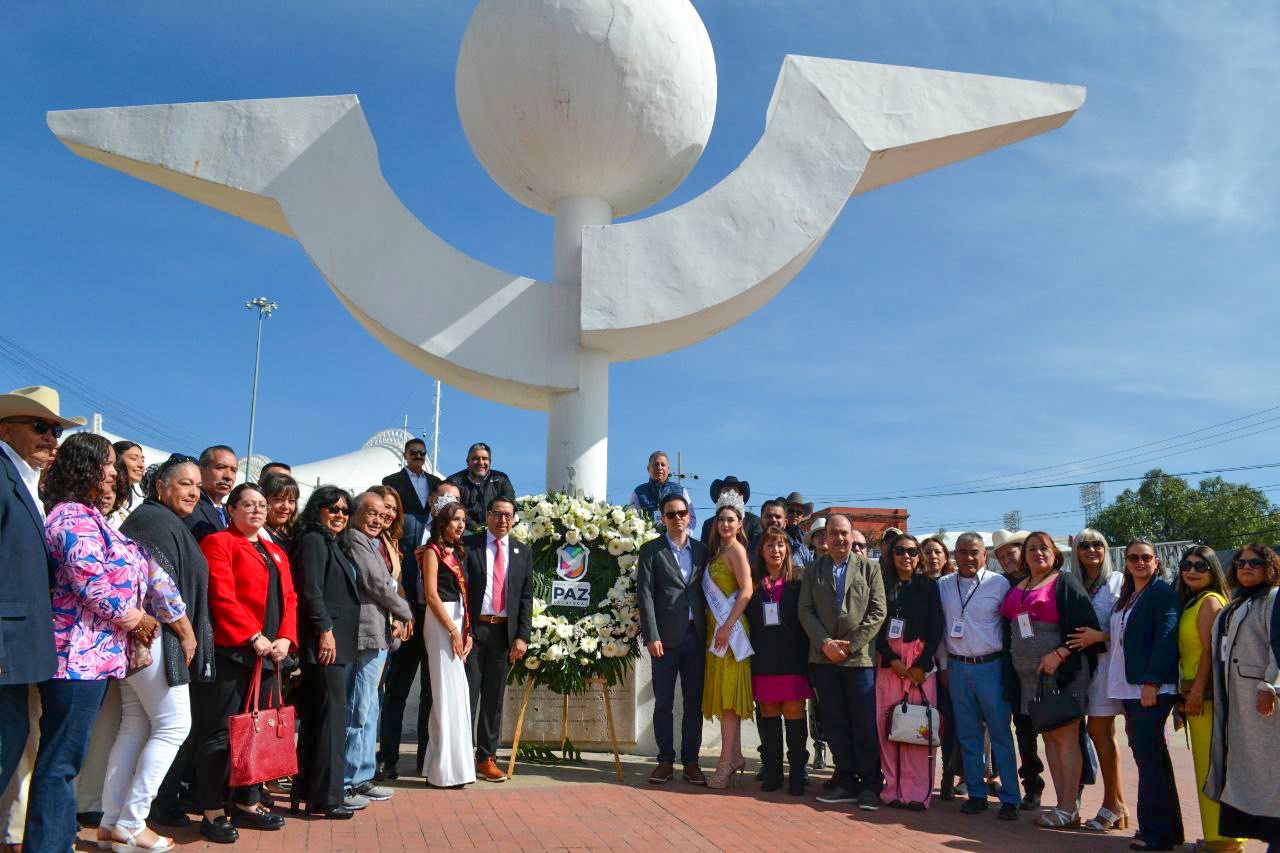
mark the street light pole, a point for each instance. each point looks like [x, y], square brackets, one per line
[265, 308]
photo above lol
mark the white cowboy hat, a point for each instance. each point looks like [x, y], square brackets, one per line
[1004, 537]
[817, 526]
[38, 401]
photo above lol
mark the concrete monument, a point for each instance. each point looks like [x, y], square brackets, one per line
[586, 110]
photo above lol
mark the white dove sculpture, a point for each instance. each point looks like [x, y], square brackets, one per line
[586, 110]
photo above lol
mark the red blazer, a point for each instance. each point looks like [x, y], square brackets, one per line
[238, 588]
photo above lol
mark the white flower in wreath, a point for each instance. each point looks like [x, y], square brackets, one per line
[629, 544]
[555, 652]
[589, 644]
[564, 630]
[632, 630]
[600, 619]
[531, 662]
[616, 548]
[543, 508]
[590, 532]
[627, 562]
[522, 532]
[540, 620]
[618, 517]
[573, 536]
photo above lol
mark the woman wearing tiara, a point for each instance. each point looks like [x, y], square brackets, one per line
[450, 759]
[727, 584]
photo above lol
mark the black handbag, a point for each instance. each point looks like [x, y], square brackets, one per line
[1052, 707]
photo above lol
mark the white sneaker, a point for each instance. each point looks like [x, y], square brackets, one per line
[355, 801]
[370, 791]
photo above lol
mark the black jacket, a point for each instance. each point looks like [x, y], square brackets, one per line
[1075, 610]
[665, 600]
[1151, 636]
[919, 605]
[324, 579]
[409, 496]
[205, 518]
[26, 617]
[519, 583]
[781, 649]
[476, 498]
[155, 525]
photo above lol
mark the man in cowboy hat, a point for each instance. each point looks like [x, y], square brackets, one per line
[30, 426]
[750, 521]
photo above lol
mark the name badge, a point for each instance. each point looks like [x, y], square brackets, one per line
[957, 630]
[771, 616]
[1226, 650]
[1024, 626]
[895, 629]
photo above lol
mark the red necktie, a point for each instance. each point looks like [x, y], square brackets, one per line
[499, 578]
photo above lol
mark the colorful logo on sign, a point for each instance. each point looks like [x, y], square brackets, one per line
[572, 562]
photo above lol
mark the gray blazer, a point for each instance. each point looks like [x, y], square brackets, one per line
[378, 591]
[665, 599]
[856, 617]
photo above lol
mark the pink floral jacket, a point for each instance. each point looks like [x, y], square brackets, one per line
[101, 574]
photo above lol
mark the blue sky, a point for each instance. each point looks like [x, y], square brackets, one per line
[1102, 287]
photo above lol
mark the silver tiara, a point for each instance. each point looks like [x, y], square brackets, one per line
[730, 498]
[440, 502]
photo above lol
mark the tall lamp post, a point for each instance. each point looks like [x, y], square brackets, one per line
[265, 308]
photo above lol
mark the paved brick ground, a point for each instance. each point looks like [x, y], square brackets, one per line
[583, 807]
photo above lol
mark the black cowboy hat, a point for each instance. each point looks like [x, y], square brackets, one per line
[742, 487]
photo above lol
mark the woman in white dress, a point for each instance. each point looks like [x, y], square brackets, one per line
[450, 759]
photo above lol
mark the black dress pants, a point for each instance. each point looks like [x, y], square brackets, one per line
[323, 737]
[1030, 767]
[403, 665]
[211, 704]
[487, 678]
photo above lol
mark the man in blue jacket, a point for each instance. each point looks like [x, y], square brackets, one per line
[29, 430]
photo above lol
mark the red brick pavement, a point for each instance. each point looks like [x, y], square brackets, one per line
[584, 808]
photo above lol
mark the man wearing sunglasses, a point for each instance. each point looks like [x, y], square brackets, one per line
[674, 629]
[29, 430]
[218, 466]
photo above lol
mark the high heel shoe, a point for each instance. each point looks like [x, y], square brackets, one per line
[1107, 820]
[723, 777]
[1058, 818]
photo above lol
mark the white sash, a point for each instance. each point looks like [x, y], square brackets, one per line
[721, 606]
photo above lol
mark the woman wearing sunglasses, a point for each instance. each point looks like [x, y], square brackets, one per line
[328, 625]
[1143, 675]
[1202, 591]
[1245, 748]
[906, 645]
[1042, 611]
[1103, 584]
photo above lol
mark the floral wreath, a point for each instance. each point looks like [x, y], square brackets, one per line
[570, 647]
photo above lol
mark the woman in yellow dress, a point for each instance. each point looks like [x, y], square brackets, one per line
[1203, 589]
[726, 693]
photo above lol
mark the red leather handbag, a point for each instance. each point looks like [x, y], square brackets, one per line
[261, 739]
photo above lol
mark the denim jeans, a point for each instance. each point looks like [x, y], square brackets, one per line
[688, 661]
[847, 703]
[69, 711]
[363, 704]
[14, 725]
[977, 697]
[1159, 813]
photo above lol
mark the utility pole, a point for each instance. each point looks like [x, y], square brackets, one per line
[435, 432]
[265, 308]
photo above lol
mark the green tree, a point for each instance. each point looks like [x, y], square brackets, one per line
[1166, 508]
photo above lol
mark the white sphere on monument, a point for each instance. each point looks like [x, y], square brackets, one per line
[607, 99]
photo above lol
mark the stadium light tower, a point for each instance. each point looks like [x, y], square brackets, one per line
[265, 309]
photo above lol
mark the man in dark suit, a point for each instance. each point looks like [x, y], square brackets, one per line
[674, 628]
[218, 466]
[480, 484]
[29, 429]
[500, 589]
[415, 485]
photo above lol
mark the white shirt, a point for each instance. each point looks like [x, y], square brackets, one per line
[975, 602]
[30, 476]
[487, 607]
[1118, 686]
[420, 485]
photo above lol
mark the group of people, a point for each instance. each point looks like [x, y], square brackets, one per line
[145, 606]
[925, 651]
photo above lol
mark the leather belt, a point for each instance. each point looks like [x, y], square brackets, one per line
[988, 658]
[492, 620]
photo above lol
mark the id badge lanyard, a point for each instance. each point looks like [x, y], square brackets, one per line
[957, 625]
[772, 606]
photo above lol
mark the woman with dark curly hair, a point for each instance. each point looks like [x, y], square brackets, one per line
[104, 586]
[328, 627]
[1245, 750]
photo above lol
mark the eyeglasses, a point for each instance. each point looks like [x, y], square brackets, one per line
[40, 427]
[497, 513]
[415, 454]
[1139, 558]
[251, 506]
[676, 513]
[336, 510]
[1090, 545]
[899, 551]
[858, 546]
[1251, 562]
[1199, 566]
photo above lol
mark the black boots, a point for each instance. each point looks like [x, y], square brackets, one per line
[771, 753]
[797, 755]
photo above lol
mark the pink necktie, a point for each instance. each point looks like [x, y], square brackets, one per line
[499, 578]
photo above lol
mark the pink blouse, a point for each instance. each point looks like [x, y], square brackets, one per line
[1041, 604]
[101, 573]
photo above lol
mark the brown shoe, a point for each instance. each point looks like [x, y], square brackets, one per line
[693, 775]
[488, 771]
[662, 774]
